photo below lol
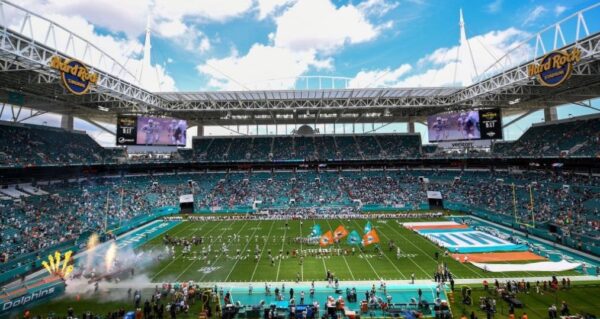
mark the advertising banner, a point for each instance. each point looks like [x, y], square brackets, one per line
[126, 130]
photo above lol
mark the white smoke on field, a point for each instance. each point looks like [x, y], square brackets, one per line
[108, 258]
[115, 269]
[93, 242]
[109, 291]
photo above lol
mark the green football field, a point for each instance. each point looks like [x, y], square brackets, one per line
[223, 265]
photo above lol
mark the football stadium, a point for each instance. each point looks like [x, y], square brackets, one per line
[299, 159]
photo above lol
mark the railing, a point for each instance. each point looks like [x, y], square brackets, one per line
[60, 39]
[303, 82]
[568, 30]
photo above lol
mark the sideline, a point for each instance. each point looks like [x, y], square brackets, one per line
[323, 284]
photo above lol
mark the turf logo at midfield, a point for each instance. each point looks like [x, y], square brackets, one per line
[407, 255]
[208, 269]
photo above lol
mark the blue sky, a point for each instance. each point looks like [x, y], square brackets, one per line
[417, 28]
[265, 44]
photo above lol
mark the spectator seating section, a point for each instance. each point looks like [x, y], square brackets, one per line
[306, 148]
[33, 145]
[65, 211]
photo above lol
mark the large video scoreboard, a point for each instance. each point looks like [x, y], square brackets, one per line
[151, 131]
[466, 125]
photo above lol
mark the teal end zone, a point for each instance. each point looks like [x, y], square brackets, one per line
[133, 239]
[32, 296]
[12, 272]
[141, 235]
[136, 222]
[471, 241]
[545, 249]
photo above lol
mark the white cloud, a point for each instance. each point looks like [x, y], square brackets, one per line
[204, 45]
[157, 80]
[295, 47]
[263, 66]
[169, 16]
[494, 6]
[126, 51]
[187, 37]
[171, 28]
[377, 7]
[330, 28]
[558, 10]
[379, 78]
[534, 14]
[450, 66]
[130, 16]
[267, 8]
[211, 10]
[115, 16]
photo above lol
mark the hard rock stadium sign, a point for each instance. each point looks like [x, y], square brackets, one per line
[75, 75]
[555, 67]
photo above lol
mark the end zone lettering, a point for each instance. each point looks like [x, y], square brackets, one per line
[23, 300]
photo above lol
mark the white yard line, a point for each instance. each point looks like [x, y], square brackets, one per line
[392, 262]
[151, 246]
[322, 259]
[243, 250]
[388, 258]
[469, 281]
[191, 263]
[302, 252]
[368, 262]
[343, 256]
[176, 258]
[282, 245]
[262, 251]
[324, 265]
[223, 253]
[425, 254]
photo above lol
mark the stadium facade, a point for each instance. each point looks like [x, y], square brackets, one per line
[544, 185]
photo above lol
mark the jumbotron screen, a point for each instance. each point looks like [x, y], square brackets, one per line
[157, 131]
[467, 125]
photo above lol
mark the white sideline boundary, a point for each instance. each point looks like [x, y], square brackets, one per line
[404, 283]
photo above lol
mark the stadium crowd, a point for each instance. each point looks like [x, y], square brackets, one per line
[34, 145]
[72, 210]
